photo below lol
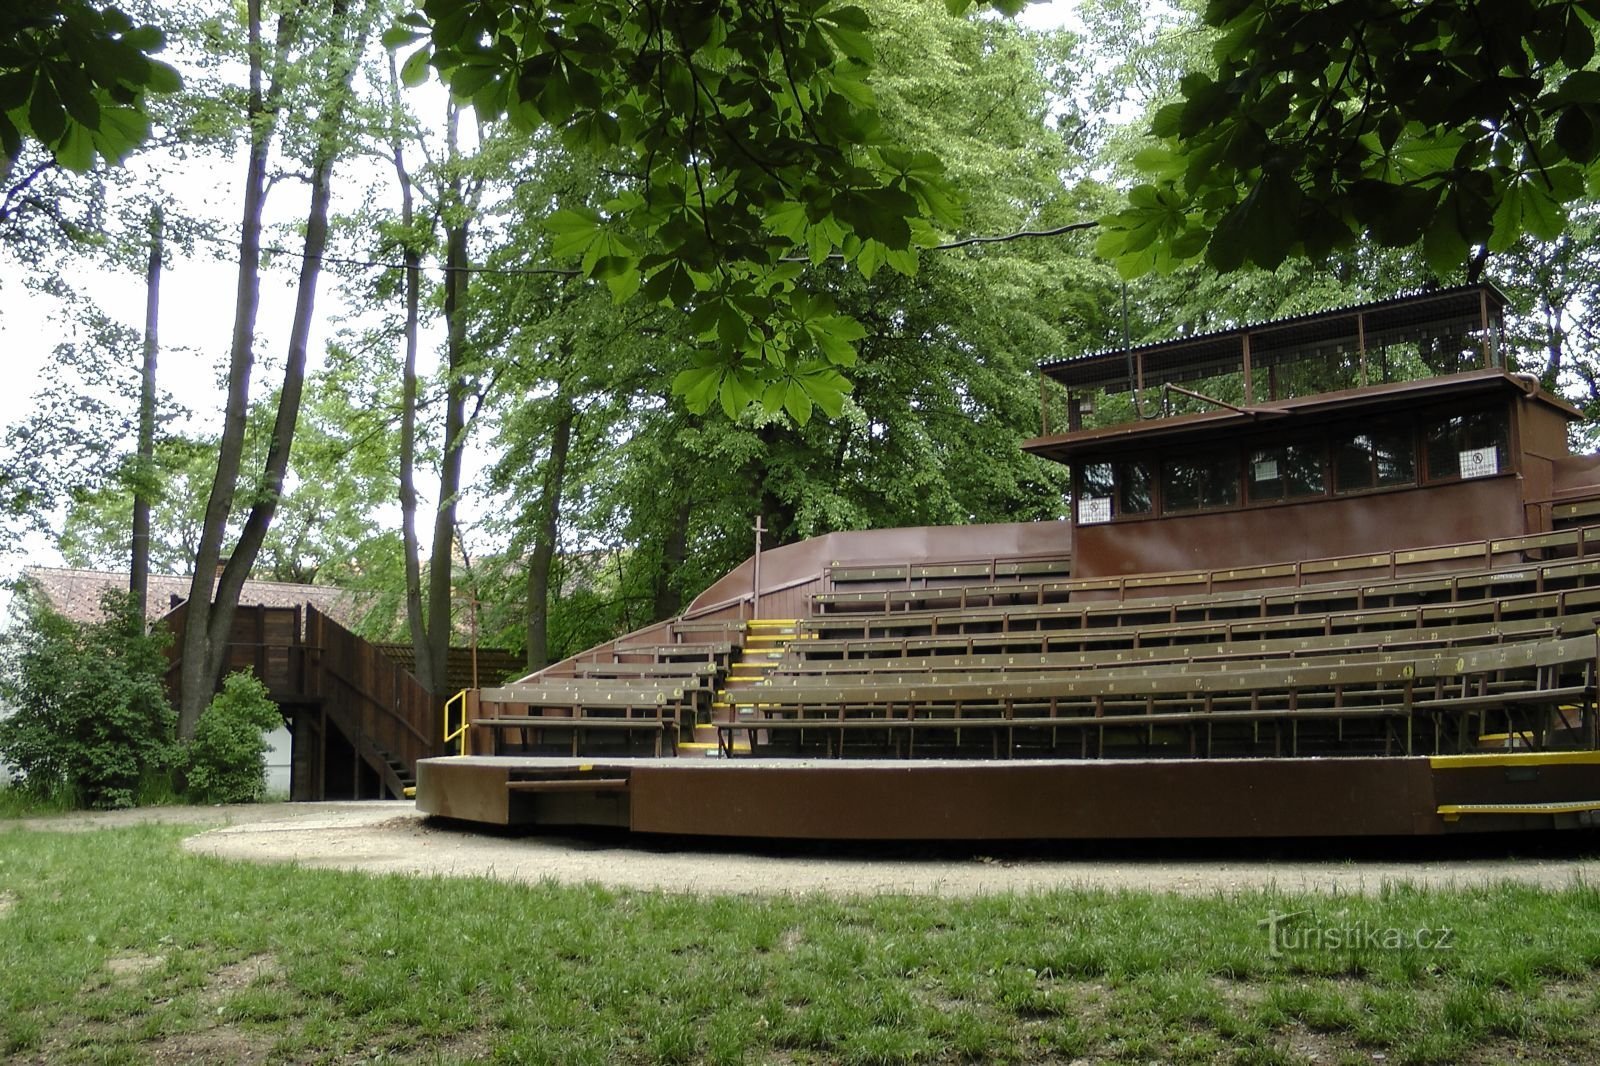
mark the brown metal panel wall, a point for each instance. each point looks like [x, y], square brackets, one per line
[807, 559]
[1542, 436]
[1376, 522]
[1081, 800]
[791, 602]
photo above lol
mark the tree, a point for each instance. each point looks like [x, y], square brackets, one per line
[1322, 123]
[94, 532]
[73, 76]
[753, 143]
[74, 439]
[145, 447]
[226, 762]
[89, 714]
[209, 618]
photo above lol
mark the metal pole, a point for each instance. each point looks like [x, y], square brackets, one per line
[474, 620]
[755, 580]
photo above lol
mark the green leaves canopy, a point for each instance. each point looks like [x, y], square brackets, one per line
[73, 75]
[1441, 122]
[750, 144]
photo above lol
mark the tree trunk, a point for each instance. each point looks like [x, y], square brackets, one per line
[778, 512]
[408, 402]
[668, 601]
[442, 557]
[196, 677]
[544, 547]
[207, 629]
[144, 455]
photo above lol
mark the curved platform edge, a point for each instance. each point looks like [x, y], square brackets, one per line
[1023, 800]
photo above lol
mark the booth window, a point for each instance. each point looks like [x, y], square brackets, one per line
[1467, 446]
[1285, 472]
[1373, 458]
[1135, 488]
[1203, 480]
[1095, 489]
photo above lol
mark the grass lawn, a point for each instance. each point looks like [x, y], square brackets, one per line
[117, 946]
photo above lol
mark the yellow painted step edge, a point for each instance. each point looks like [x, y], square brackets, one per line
[1515, 758]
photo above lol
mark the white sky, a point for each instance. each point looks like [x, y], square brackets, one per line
[197, 303]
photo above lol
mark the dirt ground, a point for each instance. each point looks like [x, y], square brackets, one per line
[390, 837]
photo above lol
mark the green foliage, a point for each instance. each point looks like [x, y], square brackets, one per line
[1397, 122]
[226, 761]
[89, 717]
[73, 75]
[755, 145]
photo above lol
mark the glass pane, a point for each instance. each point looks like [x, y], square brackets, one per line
[1095, 480]
[1302, 471]
[1352, 463]
[1134, 482]
[1221, 484]
[1180, 486]
[1094, 493]
[1470, 445]
[1373, 459]
[1207, 480]
[1395, 458]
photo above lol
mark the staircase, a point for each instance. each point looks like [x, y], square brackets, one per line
[765, 641]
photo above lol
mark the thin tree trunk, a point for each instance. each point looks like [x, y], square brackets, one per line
[668, 600]
[144, 456]
[544, 547]
[408, 402]
[442, 556]
[431, 640]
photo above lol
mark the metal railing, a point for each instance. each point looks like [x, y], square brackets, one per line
[459, 734]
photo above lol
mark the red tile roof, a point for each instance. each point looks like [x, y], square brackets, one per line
[76, 593]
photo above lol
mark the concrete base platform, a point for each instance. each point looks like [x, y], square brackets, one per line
[853, 799]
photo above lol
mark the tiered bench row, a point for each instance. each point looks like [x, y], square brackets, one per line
[1501, 642]
[1421, 652]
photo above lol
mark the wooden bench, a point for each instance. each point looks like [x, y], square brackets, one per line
[798, 661]
[721, 626]
[718, 652]
[660, 726]
[1054, 620]
[1569, 576]
[1179, 696]
[689, 672]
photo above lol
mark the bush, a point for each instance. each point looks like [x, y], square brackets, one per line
[89, 719]
[226, 762]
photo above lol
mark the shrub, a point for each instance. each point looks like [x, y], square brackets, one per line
[89, 718]
[226, 762]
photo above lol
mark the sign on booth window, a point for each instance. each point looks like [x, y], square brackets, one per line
[1480, 462]
[1094, 509]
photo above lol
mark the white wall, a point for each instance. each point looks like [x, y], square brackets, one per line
[278, 761]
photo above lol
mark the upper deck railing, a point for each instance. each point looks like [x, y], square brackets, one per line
[1407, 338]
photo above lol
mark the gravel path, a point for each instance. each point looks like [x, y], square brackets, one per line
[389, 837]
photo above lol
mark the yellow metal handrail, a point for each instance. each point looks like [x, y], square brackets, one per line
[458, 734]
